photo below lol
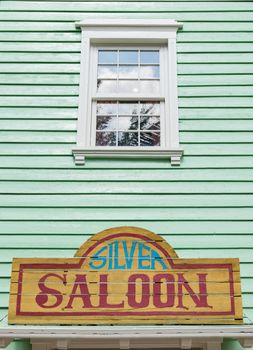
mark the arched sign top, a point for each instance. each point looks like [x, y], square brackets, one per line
[131, 242]
[125, 275]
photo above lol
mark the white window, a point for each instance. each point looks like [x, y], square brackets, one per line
[128, 90]
[128, 99]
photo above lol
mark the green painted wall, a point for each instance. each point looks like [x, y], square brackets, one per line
[203, 208]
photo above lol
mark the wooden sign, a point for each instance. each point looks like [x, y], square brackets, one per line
[125, 275]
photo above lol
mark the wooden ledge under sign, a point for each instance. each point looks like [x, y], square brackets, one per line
[127, 337]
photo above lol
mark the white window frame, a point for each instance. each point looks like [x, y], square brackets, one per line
[141, 32]
[160, 97]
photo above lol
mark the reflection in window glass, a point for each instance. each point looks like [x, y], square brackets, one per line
[107, 56]
[128, 86]
[109, 72]
[107, 108]
[131, 71]
[149, 86]
[150, 123]
[150, 108]
[128, 108]
[127, 56]
[149, 72]
[128, 123]
[106, 139]
[106, 123]
[128, 139]
[149, 139]
[109, 86]
[149, 57]
[128, 72]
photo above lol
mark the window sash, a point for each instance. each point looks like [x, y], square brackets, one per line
[95, 95]
[161, 131]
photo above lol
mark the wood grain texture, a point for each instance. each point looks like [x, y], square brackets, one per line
[40, 54]
[106, 6]
[125, 275]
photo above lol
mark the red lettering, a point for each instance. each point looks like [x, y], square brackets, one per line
[169, 280]
[104, 294]
[84, 294]
[132, 291]
[163, 288]
[199, 299]
[42, 298]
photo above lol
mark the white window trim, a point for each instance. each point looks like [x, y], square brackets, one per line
[130, 31]
[160, 97]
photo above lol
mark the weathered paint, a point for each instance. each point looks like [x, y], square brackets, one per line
[206, 203]
[125, 275]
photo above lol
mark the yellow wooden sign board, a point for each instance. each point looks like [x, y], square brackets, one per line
[125, 275]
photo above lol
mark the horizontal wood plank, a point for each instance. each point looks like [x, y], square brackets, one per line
[193, 15]
[168, 214]
[176, 241]
[245, 255]
[186, 228]
[106, 6]
[142, 175]
[134, 187]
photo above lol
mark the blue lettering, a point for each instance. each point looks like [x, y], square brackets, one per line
[147, 257]
[110, 256]
[143, 258]
[96, 258]
[116, 257]
[155, 257]
[129, 257]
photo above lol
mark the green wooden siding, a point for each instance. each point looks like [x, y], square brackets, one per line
[49, 206]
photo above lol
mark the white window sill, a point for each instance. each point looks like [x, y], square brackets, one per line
[173, 154]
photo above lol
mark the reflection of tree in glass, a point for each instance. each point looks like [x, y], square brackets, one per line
[106, 122]
[99, 81]
[107, 107]
[135, 110]
[128, 123]
[148, 108]
[128, 108]
[133, 123]
[106, 139]
[150, 139]
[150, 123]
[128, 139]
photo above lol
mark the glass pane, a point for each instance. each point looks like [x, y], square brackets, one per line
[107, 56]
[150, 123]
[106, 123]
[150, 108]
[107, 108]
[150, 72]
[149, 57]
[106, 139]
[128, 139]
[149, 139]
[127, 56]
[149, 86]
[128, 108]
[107, 72]
[128, 123]
[128, 72]
[128, 86]
[107, 86]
